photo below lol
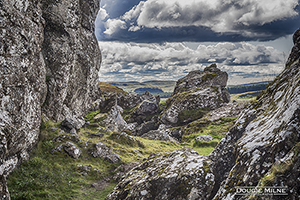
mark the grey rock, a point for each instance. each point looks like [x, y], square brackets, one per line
[195, 79]
[49, 57]
[73, 123]
[145, 127]
[163, 135]
[22, 81]
[72, 150]
[104, 152]
[115, 120]
[205, 138]
[195, 95]
[147, 107]
[72, 57]
[265, 135]
[181, 175]
[73, 131]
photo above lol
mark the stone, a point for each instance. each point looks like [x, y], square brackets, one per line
[160, 134]
[49, 62]
[145, 128]
[195, 95]
[182, 174]
[72, 150]
[115, 121]
[22, 82]
[103, 151]
[73, 123]
[72, 57]
[205, 138]
[195, 79]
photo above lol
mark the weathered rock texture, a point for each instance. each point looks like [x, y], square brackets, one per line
[22, 81]
[195, 95]
[67, 79]
[265, 134]
[180, 175]
[262, 149]
[72, 57]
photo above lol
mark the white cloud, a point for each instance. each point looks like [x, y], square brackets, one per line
[170, 61]
[113, 25]
[102, 14]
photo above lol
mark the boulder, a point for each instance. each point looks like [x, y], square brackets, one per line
[73, 123]
[115, 120]
[195, 79]
[162, 133]
[180, 175]
[145, 127]
[205, 138]
[103, 151]
[195, 95]
[72, 150]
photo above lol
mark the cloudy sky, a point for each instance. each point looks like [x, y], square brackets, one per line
[165, 39]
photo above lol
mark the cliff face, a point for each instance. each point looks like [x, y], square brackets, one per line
[59, 72]
[72, 57]
[22, 82]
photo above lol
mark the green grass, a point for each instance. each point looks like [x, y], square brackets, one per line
[246, 96]
[58, 176]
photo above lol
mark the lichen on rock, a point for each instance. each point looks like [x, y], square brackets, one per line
[195, 95]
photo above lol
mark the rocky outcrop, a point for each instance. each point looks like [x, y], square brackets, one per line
[115, 121]
[262, 149]
[22, 82]
[181, 175]
[195, 95]
[72, 57]
[49, 58]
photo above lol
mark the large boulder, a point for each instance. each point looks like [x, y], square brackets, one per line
[180, 175]
[195, 95]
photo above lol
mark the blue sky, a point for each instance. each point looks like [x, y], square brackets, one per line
[165, 39]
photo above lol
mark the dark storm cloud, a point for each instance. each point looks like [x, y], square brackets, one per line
[200, 20]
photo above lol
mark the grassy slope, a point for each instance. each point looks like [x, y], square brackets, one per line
[58, 176]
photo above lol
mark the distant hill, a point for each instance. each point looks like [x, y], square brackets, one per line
[237, 89]
[110, 88]
[151, 90]
[165, 86]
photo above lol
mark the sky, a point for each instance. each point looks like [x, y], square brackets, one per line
[166, 39]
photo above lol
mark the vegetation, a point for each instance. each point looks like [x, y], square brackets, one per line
[247, 96]
[237, 89]
[53, 174]
[110, 88]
